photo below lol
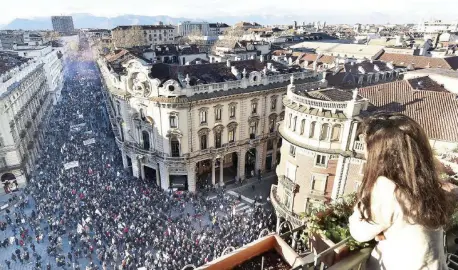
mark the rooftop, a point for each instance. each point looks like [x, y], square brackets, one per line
[9, 60]
[420, 62]
[143, 27]
[214, 72]
[434, 110]
[351, 50]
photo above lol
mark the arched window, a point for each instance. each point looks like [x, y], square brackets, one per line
[312, 129]
[174, 146]
[218, 139]
[335, 136]
[203, 142]
[146, 143]
[302, 126]
[294, 123]
[324, 132]
[290, 120]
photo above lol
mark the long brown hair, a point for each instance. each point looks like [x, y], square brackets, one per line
[398, 149]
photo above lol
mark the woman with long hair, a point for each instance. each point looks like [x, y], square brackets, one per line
[401, 202]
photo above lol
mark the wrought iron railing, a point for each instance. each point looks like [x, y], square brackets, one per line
[283, 210]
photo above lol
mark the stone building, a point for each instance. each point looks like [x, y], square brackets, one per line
[143, 35]
[322, 156]
[25, 103]
[190, 126]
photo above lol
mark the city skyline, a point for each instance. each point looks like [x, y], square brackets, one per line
[390, 11]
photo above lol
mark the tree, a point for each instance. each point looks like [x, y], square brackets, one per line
[130, 37]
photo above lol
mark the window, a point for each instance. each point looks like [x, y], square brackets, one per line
[324, 132]
[287, 199]
[173, 121]
[302, 126]
[292, 150]
[320, 160]
[218, 139]
[363, 168]
[231, 135]
[291, 171]
[335, 136]
[254, 108]
[312, 130]
[218, 113]
[253, 129]
[203, 117]
[294, 123]
[273, 104]
[118, 107]
[232, 111]
[290, 120]
[319, 183]
[272, 123]
[175, 147]
[270, 145]
[282, 116]
[145, 137]
[203, 142]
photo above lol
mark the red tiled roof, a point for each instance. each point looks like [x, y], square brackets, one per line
[419, 62]
[436, 112]
[113, 57]
[426, 83]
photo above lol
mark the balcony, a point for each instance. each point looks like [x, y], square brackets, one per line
[295, 220]
[288, 183]
[359, 147]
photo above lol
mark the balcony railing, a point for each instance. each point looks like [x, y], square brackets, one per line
[359, 147]
[295, 220]
[288, 183]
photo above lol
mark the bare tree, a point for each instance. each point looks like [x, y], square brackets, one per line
[130, 37]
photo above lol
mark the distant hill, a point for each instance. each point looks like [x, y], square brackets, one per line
[85, 20]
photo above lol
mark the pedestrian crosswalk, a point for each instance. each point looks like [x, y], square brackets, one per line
[242, 208]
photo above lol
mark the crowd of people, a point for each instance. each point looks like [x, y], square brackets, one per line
[82, 210]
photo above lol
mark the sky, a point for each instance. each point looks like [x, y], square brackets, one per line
[400, 10]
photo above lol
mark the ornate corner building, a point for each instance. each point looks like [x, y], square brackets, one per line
[190, 126]
[321, 155]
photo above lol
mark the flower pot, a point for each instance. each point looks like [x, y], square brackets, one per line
[319, 243]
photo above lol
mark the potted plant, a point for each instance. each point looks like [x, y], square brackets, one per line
[327, 225]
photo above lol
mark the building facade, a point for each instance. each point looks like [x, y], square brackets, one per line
[143, 35]
[25, 103]
[52, 64]
[63, 24]
[322, 154]
[193, 126]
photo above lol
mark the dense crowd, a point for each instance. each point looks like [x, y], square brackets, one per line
[95, 215]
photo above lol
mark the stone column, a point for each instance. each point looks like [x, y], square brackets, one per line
[192, 177]
[241, 165]
[165, 183]
[158, 177]
[221, 173]
[278, 223]
[124, 160]
[135, 167]
[142, 170]
[213, 172]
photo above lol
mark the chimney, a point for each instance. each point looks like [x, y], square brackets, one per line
[262, 59]
[228, 63]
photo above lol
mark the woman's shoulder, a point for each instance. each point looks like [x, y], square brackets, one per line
[384, 184]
